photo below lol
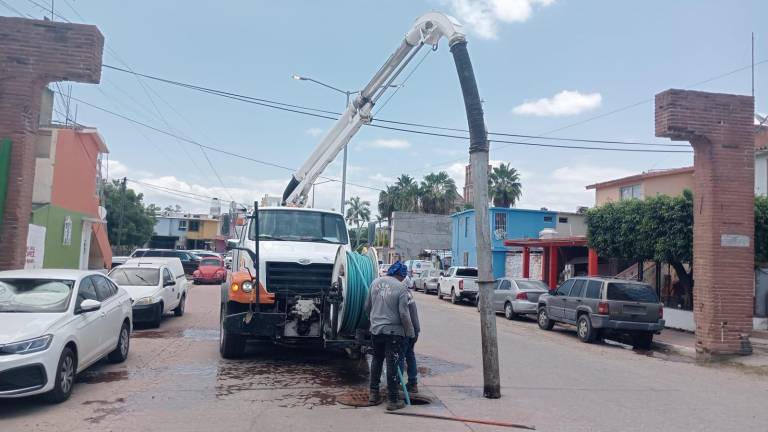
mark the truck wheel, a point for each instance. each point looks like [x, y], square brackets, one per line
[155, 323]
[642, 340]
[230, 345]
[439, 293]
[544, 322]
[454, 299]
[179, 311]
[585, 330]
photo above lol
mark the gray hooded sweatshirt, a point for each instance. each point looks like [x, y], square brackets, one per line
[387, 308]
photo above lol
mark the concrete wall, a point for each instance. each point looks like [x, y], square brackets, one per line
[761, 173]
[414, 232]
[58, 255]
[576, 225]
[44, 156]
[672, 185]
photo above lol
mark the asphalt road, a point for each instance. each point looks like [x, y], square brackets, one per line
[174, 380]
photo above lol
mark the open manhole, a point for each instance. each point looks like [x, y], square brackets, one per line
[417, 399]
[359, 398]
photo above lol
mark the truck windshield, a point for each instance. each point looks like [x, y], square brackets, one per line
[298, 225]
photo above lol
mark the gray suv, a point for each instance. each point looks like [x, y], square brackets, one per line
[598, 305]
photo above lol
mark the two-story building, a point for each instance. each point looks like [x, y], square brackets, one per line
[188, 231]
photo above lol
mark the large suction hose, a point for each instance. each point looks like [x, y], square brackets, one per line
[354, 273]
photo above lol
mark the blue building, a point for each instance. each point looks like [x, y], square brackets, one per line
[506, 224]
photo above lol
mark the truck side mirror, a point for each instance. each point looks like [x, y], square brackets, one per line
[232, 244]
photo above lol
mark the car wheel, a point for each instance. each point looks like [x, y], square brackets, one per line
[439, 293]
[65, 377]
[179, 311]
[509, 312]
[584, 329]
[120, 352]
[454, 299]
[230, 345]
[155, 323]
[642, 340]
[544, 322]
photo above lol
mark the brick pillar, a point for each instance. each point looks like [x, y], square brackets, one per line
[526, 262]
[553, 266]
[592, 263]
[544, 265]
[720, 128]
[32, 54]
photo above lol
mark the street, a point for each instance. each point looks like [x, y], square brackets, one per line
[174, 380]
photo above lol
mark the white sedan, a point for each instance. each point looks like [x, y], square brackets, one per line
[56, 323]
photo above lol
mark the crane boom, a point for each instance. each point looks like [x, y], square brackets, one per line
[428, 29]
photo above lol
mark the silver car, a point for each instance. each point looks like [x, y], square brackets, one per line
[518, 296]
[426, 281]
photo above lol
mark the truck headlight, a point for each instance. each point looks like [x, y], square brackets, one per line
[28, 346]
[146, 301]
[247, 286]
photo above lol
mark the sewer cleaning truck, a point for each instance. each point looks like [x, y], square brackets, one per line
[294, 278]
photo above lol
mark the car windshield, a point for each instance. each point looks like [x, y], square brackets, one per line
[35, 295]
[136, 276]
[209, 262]
[466, 272]
[626, 291]
[532, 285]
[297, 225]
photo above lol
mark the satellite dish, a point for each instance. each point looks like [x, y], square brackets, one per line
[102, 212]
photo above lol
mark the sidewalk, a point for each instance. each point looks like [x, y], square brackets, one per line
[684, 343]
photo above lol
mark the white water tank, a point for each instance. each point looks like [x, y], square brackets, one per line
[547, 233]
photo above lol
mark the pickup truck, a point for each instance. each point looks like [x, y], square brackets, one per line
[459, 284]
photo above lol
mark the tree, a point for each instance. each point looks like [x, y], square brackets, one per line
[438, 193]
[154, 209]
[172, 209]
[358, 211]
[406, 194]
[504, 185]
[761, 231]
[138, 222]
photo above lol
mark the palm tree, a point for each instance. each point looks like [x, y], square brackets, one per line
[504, 185]
[438, 193]
[358, 211]
[407, 194]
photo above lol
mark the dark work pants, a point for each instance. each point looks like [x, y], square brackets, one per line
[386, 347]
[407, 357]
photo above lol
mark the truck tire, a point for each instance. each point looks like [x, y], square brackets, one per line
[454, 299]
[230, 345]
[439, 293]
[584, 329]
[545, 323]
[642, 340]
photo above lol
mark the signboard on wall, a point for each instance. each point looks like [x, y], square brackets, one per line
[35, 247]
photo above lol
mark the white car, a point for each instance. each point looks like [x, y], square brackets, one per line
[56, 323]
[156, 286]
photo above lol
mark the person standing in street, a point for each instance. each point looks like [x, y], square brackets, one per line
[390, 318]
[408, 357]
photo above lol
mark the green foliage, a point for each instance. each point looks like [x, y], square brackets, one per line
[138, 221]
[761, 230]
[438, 193]
[504, 186]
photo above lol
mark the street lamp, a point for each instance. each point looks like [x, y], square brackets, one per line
[347, 93]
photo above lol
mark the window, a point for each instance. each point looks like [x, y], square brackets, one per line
[167, 276]
[593, 289]
[531, 285]
[103, 288]
[194, 226]
[636, 292]
[466, 272]
[547, 218]
[466, 228]
[86, 292]
[562, 220]
[135, 276]
[182, 225]
[35, 295]
[629, 192]
[299, 226]
[578, 288]
[500, 223]
[505, 285]
[565, 287]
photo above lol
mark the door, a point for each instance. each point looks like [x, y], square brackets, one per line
[85, 245]
[574, 300]
[556, 301]
[171, 294]
[111, 312]
[88, 326]
[500, 294]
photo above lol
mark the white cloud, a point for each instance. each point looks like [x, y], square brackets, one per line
[392, 144]
[483, 16]
[382, 179]
[565, 103]
[314, 132]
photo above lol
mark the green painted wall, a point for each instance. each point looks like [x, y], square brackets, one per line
[5, 166]
[56, 254]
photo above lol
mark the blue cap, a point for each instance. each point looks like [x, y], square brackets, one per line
[398, 268]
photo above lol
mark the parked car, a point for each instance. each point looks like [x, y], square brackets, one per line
[415, 267]
[228, 261]
[427, 281]
[56, 323]
[156, 286]
[597, 306]
[518, 296]
[189, 260]
[459, 284]
[119, 260]
[211, 270]
[204, 253]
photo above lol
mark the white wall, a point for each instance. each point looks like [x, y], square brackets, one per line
[761, 173]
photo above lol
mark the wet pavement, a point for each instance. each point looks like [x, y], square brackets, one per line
[174, 380]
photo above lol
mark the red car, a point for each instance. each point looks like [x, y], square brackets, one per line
[211, 270]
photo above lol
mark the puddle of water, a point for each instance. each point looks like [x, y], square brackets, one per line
[98, 376]
[431, 366]
[104, 402]
[196, 334]
[105, 409]
[307, 399]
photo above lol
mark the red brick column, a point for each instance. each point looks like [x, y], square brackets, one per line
[720, 128]
[32, 54]
[592, 263]
[526, 262]
[553, 266]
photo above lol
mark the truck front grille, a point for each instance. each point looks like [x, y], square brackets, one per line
[294, 278]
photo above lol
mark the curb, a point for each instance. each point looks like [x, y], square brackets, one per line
[677, 349]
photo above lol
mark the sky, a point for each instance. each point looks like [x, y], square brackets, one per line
[559, 68]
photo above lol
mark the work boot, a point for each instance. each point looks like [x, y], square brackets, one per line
[412, 387]
[395, 405]
[374, 397]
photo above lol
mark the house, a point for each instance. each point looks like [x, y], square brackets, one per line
[188, 231]
[761, 155]
[413, 234]
[68, 228]
[506, 224]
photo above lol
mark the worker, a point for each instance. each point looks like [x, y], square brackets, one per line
[407, 356]
[387, 309]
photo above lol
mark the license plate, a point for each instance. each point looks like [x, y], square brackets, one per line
[633, 309]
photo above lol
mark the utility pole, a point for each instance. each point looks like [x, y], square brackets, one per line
[478, 161]
[122, 214]
[753, 65]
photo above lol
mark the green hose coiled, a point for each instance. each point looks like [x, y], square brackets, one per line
[360, 272]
